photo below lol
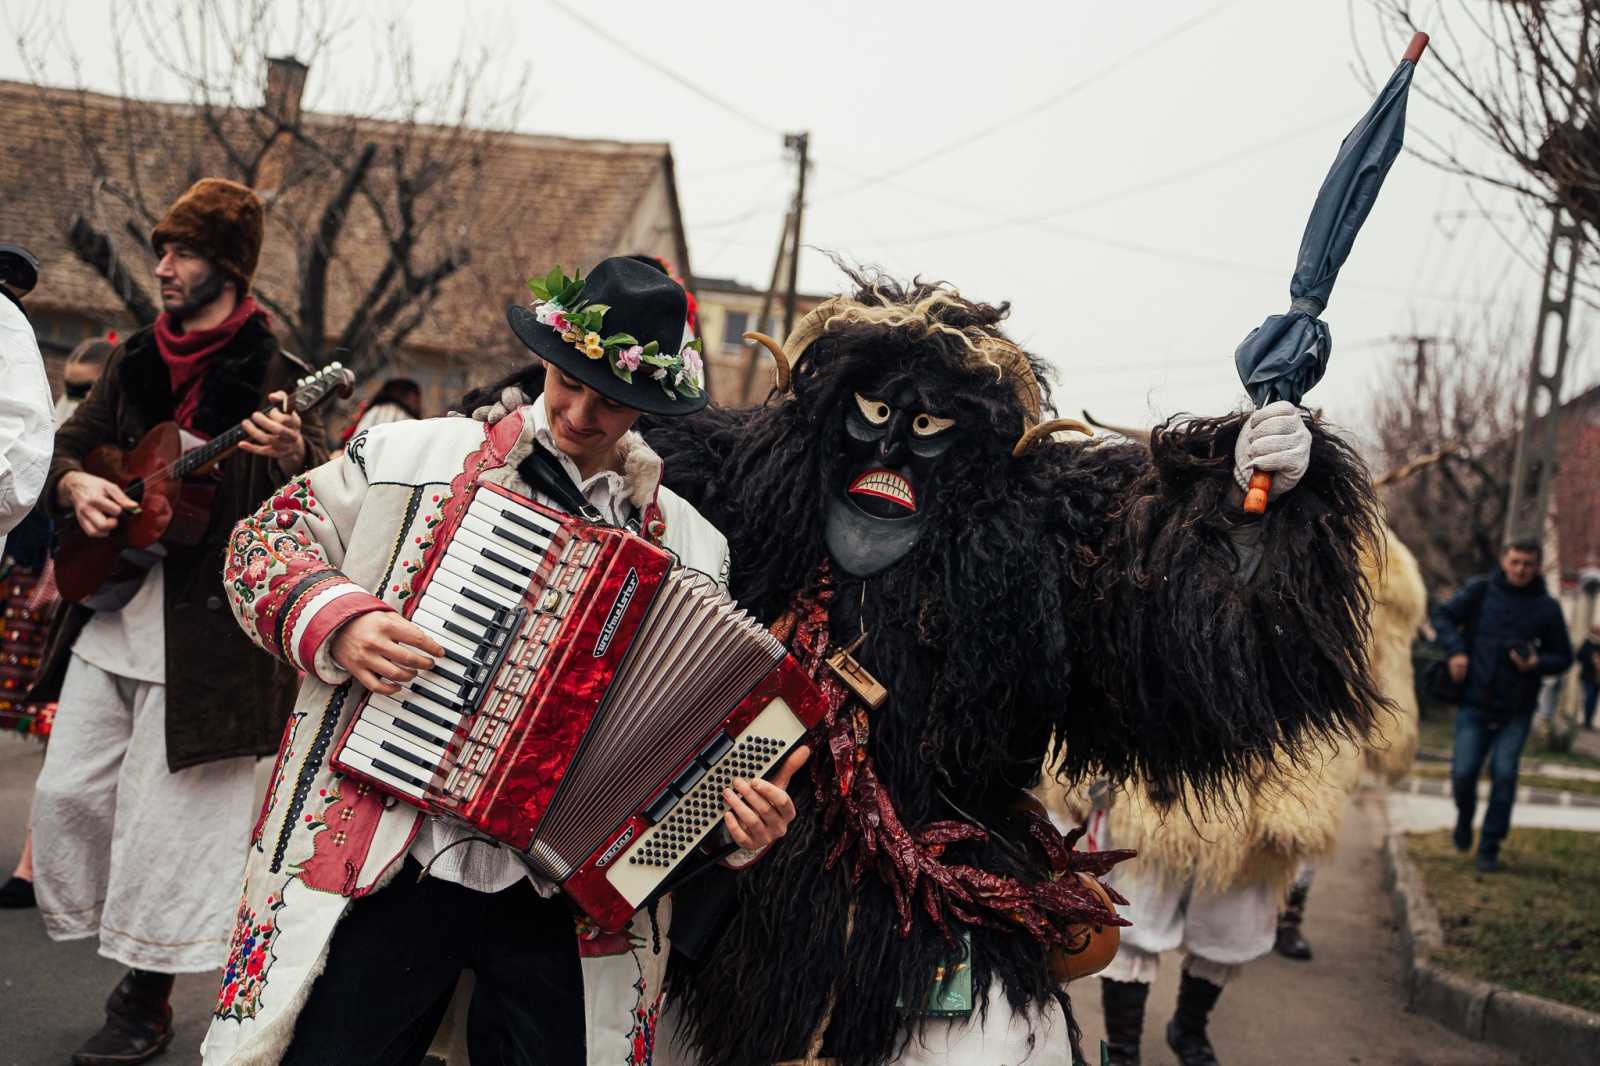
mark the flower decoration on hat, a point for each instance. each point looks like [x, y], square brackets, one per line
[559, 304]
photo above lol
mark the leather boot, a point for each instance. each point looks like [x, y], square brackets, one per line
[1186, 1032]
[1123, 1002]
[1290, 942]
[138, 1022]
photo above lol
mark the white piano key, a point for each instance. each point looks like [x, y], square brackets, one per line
[448, 579]
[433, 624]
[448, 603]
[514, 559]
[407, 745]
[462, 563]
[408, 723]
[514, 538]
[489, 504]
[427, 714]
[357, 756]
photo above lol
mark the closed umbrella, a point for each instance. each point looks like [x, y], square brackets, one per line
[1287, 354]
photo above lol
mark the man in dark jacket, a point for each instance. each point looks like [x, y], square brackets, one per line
[142, 811]
[1503, 632]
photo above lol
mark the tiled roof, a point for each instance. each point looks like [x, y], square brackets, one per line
[537, 201]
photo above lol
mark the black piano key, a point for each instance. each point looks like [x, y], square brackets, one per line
[409, 756]
[420, 733]
[442, 700]
[521, 542]
[473, 616]
[432, 716]
[490, 575]
[395, 771]
[472, 665]
[525, 522]
[495, 557]
[477, 596]
[479, 637]
[439, 671]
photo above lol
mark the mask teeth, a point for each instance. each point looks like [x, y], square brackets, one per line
[887, 485]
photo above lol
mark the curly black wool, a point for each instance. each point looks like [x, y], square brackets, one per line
[1089, 592]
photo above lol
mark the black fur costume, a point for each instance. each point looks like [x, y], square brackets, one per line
[1086, 591]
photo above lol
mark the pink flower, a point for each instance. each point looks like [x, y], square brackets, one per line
[558, 322]
[693, 365]
[628, 358]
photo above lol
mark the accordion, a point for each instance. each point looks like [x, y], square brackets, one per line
[593, 700]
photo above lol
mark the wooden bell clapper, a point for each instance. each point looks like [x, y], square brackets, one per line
[868, 689]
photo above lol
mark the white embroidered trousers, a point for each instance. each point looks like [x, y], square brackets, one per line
[148, 859]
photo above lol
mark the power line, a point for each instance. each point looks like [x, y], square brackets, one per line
[991, 129]
[654, 63]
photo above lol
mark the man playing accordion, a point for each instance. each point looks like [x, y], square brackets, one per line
[359, 913]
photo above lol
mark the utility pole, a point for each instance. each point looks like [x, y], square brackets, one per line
[1537, 451]
[1421, 435]
[799, 143]
[788, 246]
[754, 352]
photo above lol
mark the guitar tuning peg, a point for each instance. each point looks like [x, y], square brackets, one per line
[336, 366]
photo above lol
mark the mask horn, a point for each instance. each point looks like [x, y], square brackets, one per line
[780, 360]
[1044, 429]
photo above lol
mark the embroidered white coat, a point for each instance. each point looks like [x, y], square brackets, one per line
[341, 540]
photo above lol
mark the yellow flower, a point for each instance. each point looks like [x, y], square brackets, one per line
[592, 346]
[570, 336]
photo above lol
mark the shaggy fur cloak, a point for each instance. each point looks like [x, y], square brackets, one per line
[1109, 595]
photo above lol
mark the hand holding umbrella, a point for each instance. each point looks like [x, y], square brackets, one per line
[1287, 354]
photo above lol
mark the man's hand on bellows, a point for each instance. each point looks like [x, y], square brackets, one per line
[381, 649]
[759, 811]
[1277, 440]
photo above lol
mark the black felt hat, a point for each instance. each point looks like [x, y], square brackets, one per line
[638, 302]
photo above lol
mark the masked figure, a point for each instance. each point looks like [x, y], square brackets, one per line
[898, 509]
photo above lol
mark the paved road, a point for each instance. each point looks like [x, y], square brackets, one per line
[1343, 1009]
[52, 995]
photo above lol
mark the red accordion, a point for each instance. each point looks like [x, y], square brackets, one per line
[593, 700]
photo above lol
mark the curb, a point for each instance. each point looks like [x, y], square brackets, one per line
[1541, 1030]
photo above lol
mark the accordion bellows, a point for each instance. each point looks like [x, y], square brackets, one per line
[593, 700]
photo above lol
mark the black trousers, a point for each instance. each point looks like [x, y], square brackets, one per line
[394, 962]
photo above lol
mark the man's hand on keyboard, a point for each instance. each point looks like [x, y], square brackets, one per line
[381, 648]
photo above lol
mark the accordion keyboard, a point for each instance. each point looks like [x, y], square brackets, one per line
[473, 607]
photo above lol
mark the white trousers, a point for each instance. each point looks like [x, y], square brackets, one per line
[1001, 1038]
[1218, 931]
[148, 859]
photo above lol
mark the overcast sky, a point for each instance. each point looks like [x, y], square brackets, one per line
[1132, 177]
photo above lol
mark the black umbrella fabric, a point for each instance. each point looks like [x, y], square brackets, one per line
[1287, 354]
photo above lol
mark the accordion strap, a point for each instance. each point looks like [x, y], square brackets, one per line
[546, 475]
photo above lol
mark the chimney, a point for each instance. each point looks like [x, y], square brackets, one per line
[286, 80]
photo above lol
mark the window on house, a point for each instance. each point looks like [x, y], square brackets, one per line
[734, 325]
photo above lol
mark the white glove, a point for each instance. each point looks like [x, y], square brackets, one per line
[1275, 439]
[510, 399]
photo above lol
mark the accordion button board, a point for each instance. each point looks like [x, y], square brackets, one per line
[593, 700]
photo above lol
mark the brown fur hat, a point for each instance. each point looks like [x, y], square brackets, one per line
[221, 220]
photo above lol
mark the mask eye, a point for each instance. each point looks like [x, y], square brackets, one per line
[926, 425]
[875, 411]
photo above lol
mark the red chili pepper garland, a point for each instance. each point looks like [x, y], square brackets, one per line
[910, 863]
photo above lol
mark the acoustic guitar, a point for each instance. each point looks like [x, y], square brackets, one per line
[173, 477]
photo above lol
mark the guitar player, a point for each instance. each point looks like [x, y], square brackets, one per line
[143, 808]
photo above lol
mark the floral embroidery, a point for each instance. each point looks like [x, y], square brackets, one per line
[356, 451]
[249, 956]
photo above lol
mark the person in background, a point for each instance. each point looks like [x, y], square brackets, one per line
[31, 607]
[1503, 632]
[397, 400]
[141, 813]
[1589, 674]
[25, 427]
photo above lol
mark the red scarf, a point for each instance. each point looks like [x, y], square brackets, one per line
[187, 355]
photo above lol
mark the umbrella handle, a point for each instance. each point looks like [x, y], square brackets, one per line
[1414, 50]
[1255, 501]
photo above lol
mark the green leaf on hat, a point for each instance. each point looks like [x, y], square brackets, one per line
[623, 340]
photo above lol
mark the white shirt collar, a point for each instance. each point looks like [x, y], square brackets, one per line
[604, 489]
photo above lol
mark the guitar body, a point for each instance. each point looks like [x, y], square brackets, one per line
[85, 564]
[173, 477]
